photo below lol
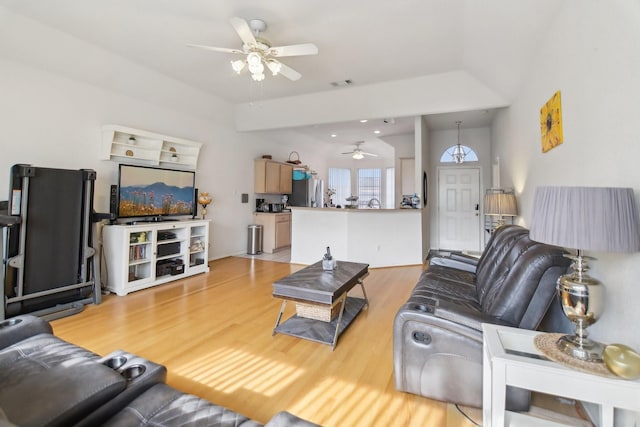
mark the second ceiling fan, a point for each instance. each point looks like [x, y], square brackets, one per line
[259, 53]
[357, 152]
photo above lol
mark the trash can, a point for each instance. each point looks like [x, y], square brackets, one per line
[254, 240]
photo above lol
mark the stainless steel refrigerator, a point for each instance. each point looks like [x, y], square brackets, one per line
[307, 192]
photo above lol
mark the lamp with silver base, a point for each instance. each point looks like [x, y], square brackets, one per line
[584, 218]
[582, 299]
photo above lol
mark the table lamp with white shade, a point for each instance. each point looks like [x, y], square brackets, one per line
[595, 219]
[500, 203]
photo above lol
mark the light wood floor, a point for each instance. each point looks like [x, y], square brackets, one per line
[213, 333]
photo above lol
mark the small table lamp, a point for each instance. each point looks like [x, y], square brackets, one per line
[584, 218]
[204, 199]
[500, 203]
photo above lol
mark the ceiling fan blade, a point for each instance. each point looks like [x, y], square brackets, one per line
[368, 154]
[294, 50]
[244, 31]
[216, 49]
[348, 152]
[288, 72]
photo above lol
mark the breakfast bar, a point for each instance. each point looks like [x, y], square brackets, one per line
[378, 237]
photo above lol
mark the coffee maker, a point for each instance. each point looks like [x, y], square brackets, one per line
[260, 205]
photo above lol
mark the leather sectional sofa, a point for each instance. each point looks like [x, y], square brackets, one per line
[46, 381]
[438, 334]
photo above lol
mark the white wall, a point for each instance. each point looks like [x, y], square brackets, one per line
[591, 53]
[50, 121]
[404, 147]
[53, 106]
[423, 159]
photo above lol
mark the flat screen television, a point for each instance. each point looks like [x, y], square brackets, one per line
[154, 192]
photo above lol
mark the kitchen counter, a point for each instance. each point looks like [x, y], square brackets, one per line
[273, 213]
[378, 237]
[353, 210]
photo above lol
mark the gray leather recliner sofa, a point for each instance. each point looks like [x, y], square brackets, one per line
[46, 381]
[438, 334]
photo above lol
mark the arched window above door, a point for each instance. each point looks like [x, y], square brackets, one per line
[469, 154]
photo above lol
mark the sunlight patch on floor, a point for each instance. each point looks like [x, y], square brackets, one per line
[332, 394]
[229, 370]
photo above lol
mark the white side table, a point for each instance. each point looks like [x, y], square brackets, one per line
[511, 358]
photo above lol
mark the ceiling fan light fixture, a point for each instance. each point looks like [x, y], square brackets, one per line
[238, 65]
[258, 77]
[253, 58]
[259, 53]
[256, 68]
[358, 155]
[275, 67]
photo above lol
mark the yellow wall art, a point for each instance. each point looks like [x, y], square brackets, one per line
[551, 123]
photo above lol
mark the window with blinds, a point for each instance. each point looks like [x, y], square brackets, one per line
[369, 187]
[340, 182]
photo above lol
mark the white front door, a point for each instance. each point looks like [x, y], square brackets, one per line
[459, 208]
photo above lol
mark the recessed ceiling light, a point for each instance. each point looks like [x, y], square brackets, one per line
[376, 131]
[364, 121]
[333, 135]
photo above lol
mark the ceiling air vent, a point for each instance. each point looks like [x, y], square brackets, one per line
[342, 83]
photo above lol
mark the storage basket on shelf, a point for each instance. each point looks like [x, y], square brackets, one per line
[296, 160]
[317, 312]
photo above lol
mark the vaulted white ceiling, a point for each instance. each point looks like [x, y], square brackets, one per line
[368, 42]
[365, 41]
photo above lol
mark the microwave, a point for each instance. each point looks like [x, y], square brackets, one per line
[275, 207]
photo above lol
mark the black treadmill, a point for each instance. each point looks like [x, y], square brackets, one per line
[48, 260]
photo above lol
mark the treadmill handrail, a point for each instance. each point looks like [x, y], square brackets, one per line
[8, 220]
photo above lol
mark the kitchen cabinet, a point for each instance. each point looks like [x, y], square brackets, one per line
[283, 231]
[276, 230]
[272, 177]
[286, 179]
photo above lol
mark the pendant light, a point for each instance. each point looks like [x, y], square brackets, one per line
[458, 152]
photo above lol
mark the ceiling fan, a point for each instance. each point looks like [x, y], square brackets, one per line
[259, 53]
[357, 152]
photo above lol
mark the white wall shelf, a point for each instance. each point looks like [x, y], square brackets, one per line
[128, 145]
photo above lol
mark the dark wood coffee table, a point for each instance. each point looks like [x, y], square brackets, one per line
[324, 290]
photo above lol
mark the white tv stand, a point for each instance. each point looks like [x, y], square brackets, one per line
[147, 254]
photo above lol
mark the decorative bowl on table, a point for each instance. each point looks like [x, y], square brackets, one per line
[622, 361]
